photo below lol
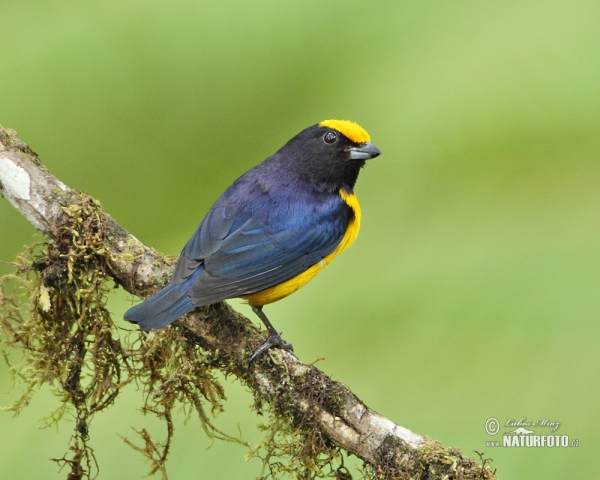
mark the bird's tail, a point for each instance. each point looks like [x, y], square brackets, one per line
[164, 307]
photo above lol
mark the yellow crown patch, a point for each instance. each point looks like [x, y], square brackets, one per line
[353, 131]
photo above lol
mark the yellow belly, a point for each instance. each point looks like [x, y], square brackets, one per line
[282, 290]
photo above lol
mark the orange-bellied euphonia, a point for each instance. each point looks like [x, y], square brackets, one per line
[272, 231]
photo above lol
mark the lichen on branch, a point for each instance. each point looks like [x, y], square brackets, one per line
[53, 311]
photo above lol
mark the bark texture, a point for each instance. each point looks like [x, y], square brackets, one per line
[291, 387]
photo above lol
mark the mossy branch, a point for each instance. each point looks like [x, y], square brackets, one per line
[319, 417]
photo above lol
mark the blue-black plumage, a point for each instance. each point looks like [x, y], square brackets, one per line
[165, 306]
[273, 229]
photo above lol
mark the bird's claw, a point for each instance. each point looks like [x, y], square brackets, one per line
[274, 341]
[285, 345]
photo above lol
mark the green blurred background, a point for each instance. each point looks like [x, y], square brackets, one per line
[473, 290]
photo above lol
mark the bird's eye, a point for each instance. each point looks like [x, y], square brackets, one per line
[330, 137]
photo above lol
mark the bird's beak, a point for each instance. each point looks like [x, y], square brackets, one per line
[366, 151]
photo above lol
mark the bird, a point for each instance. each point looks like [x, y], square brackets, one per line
[272, 231]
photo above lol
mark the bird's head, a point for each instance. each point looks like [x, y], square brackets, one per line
[331, 153]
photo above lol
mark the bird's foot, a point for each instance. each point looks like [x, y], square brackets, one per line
[274, 341]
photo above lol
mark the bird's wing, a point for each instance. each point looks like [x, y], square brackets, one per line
[252, 257]
[205, 241]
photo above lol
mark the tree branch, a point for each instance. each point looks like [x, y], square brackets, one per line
[291, 387]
